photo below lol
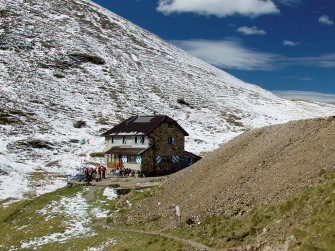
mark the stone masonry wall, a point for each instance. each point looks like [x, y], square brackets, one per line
[159, 139]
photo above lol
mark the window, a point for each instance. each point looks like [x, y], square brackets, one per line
[131, 159]
[112, 140]
[170, 140]
[124, 140]
[139, 139]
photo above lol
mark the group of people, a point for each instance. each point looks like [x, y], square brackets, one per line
[95, 174]
[99, 173]
[123, 171]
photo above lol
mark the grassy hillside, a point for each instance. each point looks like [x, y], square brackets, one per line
[304, 221]
[47, 223]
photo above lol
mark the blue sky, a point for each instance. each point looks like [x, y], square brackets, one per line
[285, 46]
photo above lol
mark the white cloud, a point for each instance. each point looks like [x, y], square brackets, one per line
[305, 79]
[219, 8]
[228, 54]
[324, 61]
[325, 20]
[305, 95]
[288, 2]
[290, 43]
[251, 30]
[232, 54]
[299, 78]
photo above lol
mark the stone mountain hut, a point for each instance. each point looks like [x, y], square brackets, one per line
[153, 145]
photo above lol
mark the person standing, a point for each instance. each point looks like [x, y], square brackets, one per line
[103, 172]
[99, 172]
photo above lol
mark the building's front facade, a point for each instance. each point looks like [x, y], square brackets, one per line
[153, 145]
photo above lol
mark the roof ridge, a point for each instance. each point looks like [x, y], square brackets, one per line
[140, 125]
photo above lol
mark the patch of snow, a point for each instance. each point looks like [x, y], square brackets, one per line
[134, 58]
[110, 193]
[77, 218]
[99, 213]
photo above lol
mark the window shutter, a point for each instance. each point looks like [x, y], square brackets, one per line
[139, 159]
[124, 159]
[175, 159]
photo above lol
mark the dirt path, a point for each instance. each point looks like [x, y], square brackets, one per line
[127, 181]
[192, 243]
[90, 194]
[197, 245]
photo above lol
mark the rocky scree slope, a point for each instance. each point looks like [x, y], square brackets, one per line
[256, 168]
[63, 62]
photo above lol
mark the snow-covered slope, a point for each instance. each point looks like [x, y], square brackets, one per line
[64, 61]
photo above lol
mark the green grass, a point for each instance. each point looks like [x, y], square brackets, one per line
[21, 222]
[136, 196]
[79, 124]
[182, 102]
[58, 75]
[232, 119]
[100, 201]
[124, 241]
[7, 118]
[97, 155]
[35, 143]
[115, 185]
[85, 58]
[308, 215]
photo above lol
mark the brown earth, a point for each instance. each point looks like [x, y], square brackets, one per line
[258, 167]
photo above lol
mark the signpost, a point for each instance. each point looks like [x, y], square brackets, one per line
[178, 217]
